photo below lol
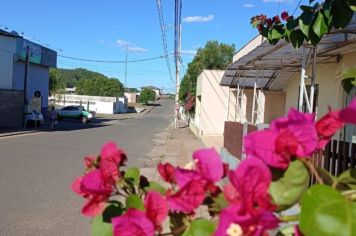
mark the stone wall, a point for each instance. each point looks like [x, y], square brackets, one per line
[11, 108]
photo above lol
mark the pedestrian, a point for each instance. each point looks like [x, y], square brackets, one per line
[53, 118]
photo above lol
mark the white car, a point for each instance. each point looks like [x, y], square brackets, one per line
[32, 117]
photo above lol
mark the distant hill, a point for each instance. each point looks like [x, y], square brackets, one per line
[86, 82]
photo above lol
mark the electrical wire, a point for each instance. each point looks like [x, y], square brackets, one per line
[300, 1]
[103, 61]
[164, 36]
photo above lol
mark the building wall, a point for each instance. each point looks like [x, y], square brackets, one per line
[212, 109]
[37, 80]
[330, 89]
[11, 108]
[7, 50]
[131, 97]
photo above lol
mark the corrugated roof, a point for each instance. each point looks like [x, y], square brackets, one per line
[272, 66]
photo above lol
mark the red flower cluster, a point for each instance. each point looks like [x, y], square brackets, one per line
[98, 182]
[262, 21]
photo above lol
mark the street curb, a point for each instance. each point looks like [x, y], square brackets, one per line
[9, 134]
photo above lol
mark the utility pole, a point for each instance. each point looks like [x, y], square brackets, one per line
[178, 7]
[27, 63]
[125, 68]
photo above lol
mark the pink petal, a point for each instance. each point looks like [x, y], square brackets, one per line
[89, 162]
[348, 115]
[133, 222]
[156, 207]
[261, 144]
[184, 176]
[327, 126]
[167, 172]
[109, 162]
[188, 198]
[76, 185]
[252, 179]
[94, 206]
[231, 194]
[232, 215]
[209, 165]
[92, 183]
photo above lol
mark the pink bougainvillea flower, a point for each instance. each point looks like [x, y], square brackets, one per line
[301, 126]
[133, 222]
[285, 16]
[251, 180]
[234, 220]
[110, 159]
[94, 205]
[208, 167]
[167, 172]
[156, 209]
[261, 144]
[291, 136]
[348, 115]
[92, 187]
[231, 194]
[188, 198]
[209, 164]
[92, 183]
[327, 126]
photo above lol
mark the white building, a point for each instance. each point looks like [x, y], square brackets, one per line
[101, 105]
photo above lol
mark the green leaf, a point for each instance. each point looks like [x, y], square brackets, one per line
[101, 228]
[348, 178]
[133, 174]
[154, 186]
[313, 38]
[276, 33]
[286, 231]
[113, 209]
[200, 227]
[220, 202]
[352, 5]
[320, 27]
[342, 14]
[297, 38]
[289, 189]
[305, 20]
[305, 8]
[348, 84]
[324, 211]
[134, 201]
[325, 176]
[349, 73]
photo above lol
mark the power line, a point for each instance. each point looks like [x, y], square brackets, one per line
[164, 36]
[104, 61]
[297, 7]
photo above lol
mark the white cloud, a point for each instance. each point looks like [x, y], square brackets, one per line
[136, 49]
[122, 43]
[190, 52]
[195, 19]
[248, 5]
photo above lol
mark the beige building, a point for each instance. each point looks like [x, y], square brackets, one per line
[132, 97]
[271, 79]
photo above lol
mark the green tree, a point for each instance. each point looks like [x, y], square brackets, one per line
[56, 85]
[100, 86]
[147, 95]
[214, 55]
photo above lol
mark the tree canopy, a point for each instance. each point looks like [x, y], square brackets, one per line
[147, 95]
[214, 55]
[86, 82]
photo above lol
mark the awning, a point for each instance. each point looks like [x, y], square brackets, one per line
[271, 66]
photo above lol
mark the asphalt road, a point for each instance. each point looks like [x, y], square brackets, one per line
[36, 170]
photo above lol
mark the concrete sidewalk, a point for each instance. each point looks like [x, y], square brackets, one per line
[175, 146]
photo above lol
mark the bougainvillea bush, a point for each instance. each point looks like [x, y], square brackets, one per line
[205, 197]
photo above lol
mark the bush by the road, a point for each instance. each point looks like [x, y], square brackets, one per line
[147, 95]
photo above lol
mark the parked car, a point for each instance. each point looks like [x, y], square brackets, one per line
[34, 117]
[74, 112]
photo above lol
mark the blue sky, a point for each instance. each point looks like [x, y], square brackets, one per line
[96, 29]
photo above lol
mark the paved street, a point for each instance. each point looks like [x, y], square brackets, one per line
[36, 170]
